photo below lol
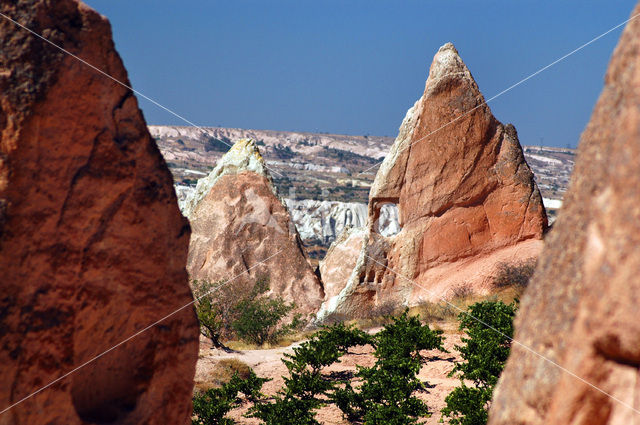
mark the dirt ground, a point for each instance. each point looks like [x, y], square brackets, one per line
[266, 363]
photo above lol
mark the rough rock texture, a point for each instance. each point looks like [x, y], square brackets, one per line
[92, 244]
[582, 307]
[463, 190]
[324, 221]
[240, 221]
[336, 266]
[318, 221]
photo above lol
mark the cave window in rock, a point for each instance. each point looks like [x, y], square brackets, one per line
[386, 222]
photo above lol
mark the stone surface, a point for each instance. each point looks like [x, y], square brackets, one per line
[92, 244]
[463, 189]
[239, 222]
[582, 307]
[319, 222]
[336, 266]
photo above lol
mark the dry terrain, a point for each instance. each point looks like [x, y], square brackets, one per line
[267, 363]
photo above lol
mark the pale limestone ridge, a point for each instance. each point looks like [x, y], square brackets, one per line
[244, 155]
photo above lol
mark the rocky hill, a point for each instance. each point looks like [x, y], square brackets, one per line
[326, 177]
[330, 167]
[92, 245]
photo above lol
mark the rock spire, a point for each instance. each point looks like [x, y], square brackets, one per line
[465, 194]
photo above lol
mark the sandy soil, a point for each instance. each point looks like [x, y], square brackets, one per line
[267, 363]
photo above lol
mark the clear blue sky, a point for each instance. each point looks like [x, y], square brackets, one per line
[356, 66]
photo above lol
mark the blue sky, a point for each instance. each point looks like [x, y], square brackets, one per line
[356, 66]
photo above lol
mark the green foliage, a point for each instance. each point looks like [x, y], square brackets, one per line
[386, 395]
[489, 327]
[306, 388]
[212, 314]
[241, 310]
[211, 407]
[260, 318]
[468, 405]
[286, 410]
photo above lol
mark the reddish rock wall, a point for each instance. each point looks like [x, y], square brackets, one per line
[92, 244]
[582, 308]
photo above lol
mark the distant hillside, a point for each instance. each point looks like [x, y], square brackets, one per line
[325, 166]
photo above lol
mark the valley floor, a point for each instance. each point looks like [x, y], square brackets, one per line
[266, 363]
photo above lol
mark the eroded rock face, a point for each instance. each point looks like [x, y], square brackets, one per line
[92, 244]
[582, 307]
[337, 265]
[238, 220]
[464, 192]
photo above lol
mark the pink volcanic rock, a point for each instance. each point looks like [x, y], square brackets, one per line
[92, 244]
[464, 191]
[582, 307]
[239, 221]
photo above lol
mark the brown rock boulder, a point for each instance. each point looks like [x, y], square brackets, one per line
[582, 308]
[465, 194]
[238, 221]
[92, 244]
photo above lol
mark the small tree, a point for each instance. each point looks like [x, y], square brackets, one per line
[241, 310]
[489, 327]
[260, 318]
[306, 388]
[212, 406]
[386, 395]
[212, 314]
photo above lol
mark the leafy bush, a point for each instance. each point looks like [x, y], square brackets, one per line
[260, 319]
[489, 327]
[386, 395]
[239, 310]
[213, 314]
[306, 388]
[211, 407]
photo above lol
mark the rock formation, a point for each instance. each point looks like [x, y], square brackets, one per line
[323, 221]
[92, 245]
[319, 222]
[238, 220]
[337, 265]
[465, 195]
[581, 309]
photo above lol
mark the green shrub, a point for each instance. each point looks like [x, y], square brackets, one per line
[212, 314]
[241, 310]
[260, 319]
[306, 388]
[211, 406]
[489, 327]
[386, 395]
